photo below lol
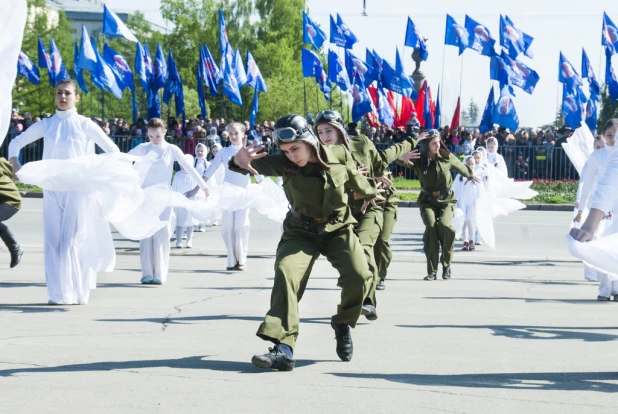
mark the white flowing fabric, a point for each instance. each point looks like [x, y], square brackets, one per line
[181, 184]
[12, 23]
[579, 146]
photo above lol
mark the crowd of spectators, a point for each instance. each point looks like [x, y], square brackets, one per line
[528, 153]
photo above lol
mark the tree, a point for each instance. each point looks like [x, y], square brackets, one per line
[608, 109]
[470, 115]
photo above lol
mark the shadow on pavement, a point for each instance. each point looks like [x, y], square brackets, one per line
[539, 381]
[255, 288]
[206, 318]
[31, 308]
[195, 362]
[528, 300]
[21, 284]
[536, 332]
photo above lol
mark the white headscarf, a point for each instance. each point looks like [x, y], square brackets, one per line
[204, 152]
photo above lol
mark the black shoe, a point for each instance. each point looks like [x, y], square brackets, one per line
[381, 285]
[431, 276]
[446, 273]
[604, 299]
[274, 359]
[370, 312]
[345, 348]
[16, 256]
[7, 237]
[240, 268]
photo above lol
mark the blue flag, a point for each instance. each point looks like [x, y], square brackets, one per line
[571, 106]
[396, 80]
[415, 39]
[87, 58]
[357, 68]
[487, 123]
[106, 76]
[312, 32]
[230, 83]
[159, 73]
[610, 77]
[148, 63]
[94, 78]
[254, 76]
[567, 73]
[254, 108]
[340, 33]
[312, 66]
[362, 103]
[77, 72]
[406, 83]
[512, 39]
[117, 62]
[223, 40]
[592, 114]
[113, 26]
[201, 95]
[385, 111]
[337, 71]
[211, 71]
[504, 113]
[27, 69]
[438, 113]
[513, 72]
[58, 71]
[479, 37]
[140, 65]
[154, 104]
[374, 61]
[44, 59]
[239, 69]
[456, 34]
[173, 86]
[609, 38]
[588, 73]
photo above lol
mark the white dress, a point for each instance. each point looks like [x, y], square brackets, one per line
[155, 251]
[78, 241]
[182, 183]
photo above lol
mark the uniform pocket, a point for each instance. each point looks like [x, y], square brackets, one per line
[340, 178]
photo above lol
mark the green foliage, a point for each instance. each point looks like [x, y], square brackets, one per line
[402, 183]
[608, 109]
[554, 192]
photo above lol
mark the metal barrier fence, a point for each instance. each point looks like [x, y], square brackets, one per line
[523, 162]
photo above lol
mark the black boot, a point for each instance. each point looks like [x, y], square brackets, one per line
[431, 276]
[345, 348]
[12, 245]
[274, 359]
[446, 273]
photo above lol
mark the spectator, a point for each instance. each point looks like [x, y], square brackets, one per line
[225, 141]
[521, 168]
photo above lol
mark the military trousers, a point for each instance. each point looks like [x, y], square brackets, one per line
[368, 230]
[439, 232]
[382, 251]
[300, 246]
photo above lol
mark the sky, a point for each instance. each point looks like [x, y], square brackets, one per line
[565, 26]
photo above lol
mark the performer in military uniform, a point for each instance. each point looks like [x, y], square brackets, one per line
[10, 203]
[319, 222]
[437, 200]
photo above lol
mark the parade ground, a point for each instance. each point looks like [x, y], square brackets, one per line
[517, 330]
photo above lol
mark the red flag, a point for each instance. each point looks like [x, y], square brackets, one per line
[420, 104]
[392, 101]
[455, 121]
[407, 109]
[372, 117]
[432, 107]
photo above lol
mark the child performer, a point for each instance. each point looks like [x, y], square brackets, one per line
[200, 164]
[468, 192]
[154, 251]
[235, 225]
[184, 183]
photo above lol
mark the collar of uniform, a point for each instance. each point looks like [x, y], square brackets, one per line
[329, 155]
[66, 114]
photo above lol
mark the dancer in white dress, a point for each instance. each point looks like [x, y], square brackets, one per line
[235, 224]
[71, 231]
[200, 164]
[468, 194]
[154, 251]
[494, 158]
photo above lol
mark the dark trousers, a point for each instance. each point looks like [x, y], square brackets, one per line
[6, 212]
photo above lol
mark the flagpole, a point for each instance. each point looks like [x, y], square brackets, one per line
[102, 104]
[39, 88]
[460, 75]
[317, 99]
[443, 66]
[305, 95]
